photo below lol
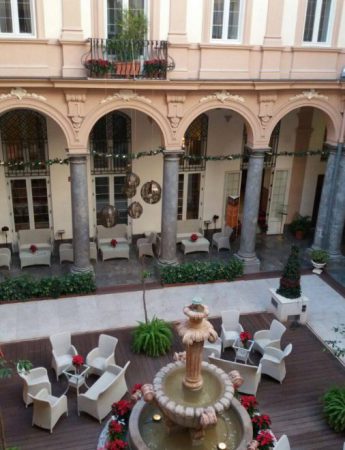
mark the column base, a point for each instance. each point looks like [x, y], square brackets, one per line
[167, 262]
[76, 270]
[336, 256]
[251, 264]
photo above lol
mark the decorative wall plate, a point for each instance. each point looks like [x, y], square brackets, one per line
[151, 192]
[135, 210]
[108, 216]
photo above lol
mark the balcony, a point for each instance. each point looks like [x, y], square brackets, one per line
[114, 58]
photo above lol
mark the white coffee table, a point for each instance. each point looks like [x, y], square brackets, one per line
[121, 250]
[76, 379]
[243, 354]
[200, 245]
[40, 257]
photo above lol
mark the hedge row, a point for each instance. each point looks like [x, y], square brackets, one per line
[25, 287]
[202, 272]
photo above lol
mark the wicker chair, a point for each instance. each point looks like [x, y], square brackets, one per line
[100, 357]
[284, 444]
[273, 362]
[271, 337]
[222, 239]
[145, 245]
[231, 327]
[34, 380]
[48, 409]
[62, 352]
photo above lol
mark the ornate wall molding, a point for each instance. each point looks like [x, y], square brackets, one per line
[175, 110]
[76, 112]
[266, 103]
[222, 96]
[127, 96]
[309, 95]
[20, 93]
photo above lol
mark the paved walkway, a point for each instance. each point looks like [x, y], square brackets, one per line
[36, 319]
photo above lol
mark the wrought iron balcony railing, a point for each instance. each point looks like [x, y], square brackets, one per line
[115, 58]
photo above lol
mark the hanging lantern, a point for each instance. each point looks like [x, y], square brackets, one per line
[135, 210]
[129, 191]
[108, 216]
[132, 179]
[151, 192]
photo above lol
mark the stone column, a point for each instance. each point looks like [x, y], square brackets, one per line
[325, 201]
[251, 211]
[169, 206]
[80, 214]
[337, 217]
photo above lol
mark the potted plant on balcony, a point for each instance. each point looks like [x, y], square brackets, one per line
[300, 226]
[155, 68]
[319, 258]
[127, 45]
[98, 68]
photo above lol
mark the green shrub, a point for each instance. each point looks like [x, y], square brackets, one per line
[290, 284]
[319, 256]
[153, 338]
[202, 272]
[25, 287]
[334, 408]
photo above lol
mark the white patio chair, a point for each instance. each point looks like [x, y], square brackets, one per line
[222, 239]
[145, 245]
[48, 409]
[284, 444]
[231, 327]
[212, 348]
[271, 337]
[100, 357]
[34, 380]
[273, 362]
[62, 352]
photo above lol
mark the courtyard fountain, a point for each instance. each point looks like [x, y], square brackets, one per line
[191, 403]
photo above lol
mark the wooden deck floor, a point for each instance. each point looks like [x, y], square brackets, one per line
[294, 406]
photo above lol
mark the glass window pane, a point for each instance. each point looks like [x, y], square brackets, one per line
[114, 15]
[40, 203]
[20, 205]
[234, 16]
[193, 195]
[24, 16]
[102, 195]
[120, 200]
[218, 12]
[324, 21]
[309, 21]
[6, 25]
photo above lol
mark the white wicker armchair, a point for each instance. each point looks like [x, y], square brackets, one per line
[269, 338]
[284, 444]
[231, 327]
[222, 239]
[33, 381]
[273, 362]
[48, 409]
[100, 357]
[145, 245]
[62, 352]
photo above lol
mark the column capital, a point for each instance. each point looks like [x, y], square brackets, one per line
[331, 148]
[173, 152]
[257, 152]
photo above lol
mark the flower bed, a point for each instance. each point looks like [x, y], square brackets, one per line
[202, 272]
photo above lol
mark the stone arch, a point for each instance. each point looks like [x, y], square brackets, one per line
[100, 110]
[333, 118]
[45, 109]
[252, 122]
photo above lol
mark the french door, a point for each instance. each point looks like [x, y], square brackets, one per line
[30, 203]
[109, 191]
[190, 195]
[278, 201]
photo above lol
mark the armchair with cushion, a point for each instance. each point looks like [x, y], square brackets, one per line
[271, 337]
[62, 352]
[231, 327]
[222, 239]
[273, 362]
[48, 409]
[34, 380]
[100, 357]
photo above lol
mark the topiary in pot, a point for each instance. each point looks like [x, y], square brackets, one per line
[153, 338]
[290, 284]
[334, 408]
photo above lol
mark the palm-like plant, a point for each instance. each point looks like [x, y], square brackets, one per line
[153, 338]
[334, 408]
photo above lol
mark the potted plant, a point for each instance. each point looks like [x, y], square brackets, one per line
[98, 67]
[155, 68]
[319, 258]
[290, 285]
[300, 226]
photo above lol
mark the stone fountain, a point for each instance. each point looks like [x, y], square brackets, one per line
[191, 402]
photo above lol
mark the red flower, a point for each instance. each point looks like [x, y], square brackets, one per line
[77, 360]
[250, 403]
[33, 248]
[245, 336]
[113, 242]
[117, 444]
[121, 408]
[194, 237]
[136, 388]
[260, 422]
[265, 439]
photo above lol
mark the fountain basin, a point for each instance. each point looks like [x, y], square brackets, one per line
[234, 427]
[185, 407]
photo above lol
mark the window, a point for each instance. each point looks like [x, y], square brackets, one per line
[227, 20]
[114, 12]
[16, 17]
[195, 144]
[189, 191]
[317, 27]
[109, 191]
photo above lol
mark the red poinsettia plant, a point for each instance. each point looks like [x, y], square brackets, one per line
[33, 248]
[122, 409]
[117, 444]
[194, 237]
[113, 242]
[250, 403]
[260, 422]
[265, 439]
[77, 360]
[245, 337]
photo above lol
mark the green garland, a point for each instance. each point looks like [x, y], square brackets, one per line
[18, 165]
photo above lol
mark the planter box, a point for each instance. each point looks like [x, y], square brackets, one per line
[289, 308]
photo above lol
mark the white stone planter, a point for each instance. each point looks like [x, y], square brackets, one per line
[318, 265]
[289, 308]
